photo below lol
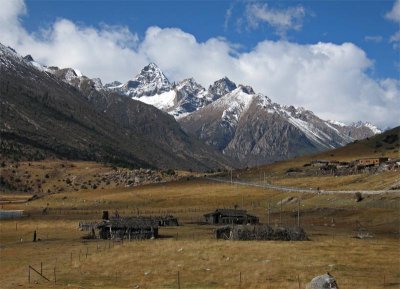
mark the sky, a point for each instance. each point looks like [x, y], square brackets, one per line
[340, 59]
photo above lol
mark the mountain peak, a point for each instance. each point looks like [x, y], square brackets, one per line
[246, 89]
[28, 57]
[221, 87]
[150, 81]
[361, 124]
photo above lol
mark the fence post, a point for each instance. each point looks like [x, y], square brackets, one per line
[55, 276]
[240, 280]
[179, 281]
[298, 214]
[298, 281]
[41, 268]
[29, 275]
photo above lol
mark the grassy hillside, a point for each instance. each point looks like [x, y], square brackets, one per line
[383, 145]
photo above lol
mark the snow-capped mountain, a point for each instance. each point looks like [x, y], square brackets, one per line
[52, 112]
[151, 86]
[149, 82]
[251, 129]
[240, 123]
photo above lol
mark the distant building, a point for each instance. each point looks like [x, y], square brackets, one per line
[366, 162]
[230, 216]
[319, 163]
[128, 228]
[131, 228]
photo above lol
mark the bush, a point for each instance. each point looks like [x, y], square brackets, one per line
[358, 197]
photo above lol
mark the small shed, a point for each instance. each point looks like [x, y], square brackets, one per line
[230, 216]
[138, 228]
[260, 232]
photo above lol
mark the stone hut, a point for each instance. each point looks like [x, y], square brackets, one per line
[230, 216]
[136, 228]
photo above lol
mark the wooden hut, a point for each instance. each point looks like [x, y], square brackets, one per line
[136, 228]
[230, 216]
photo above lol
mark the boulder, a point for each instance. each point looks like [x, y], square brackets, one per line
[326, 281]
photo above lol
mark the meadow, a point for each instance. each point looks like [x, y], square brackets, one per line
[331, 222]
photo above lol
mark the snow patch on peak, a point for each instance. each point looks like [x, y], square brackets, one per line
[235, 103]
[163, 101]
[335, 122]
[78, 73]
[368, 125]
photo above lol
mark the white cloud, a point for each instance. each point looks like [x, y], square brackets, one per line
[395, 37]
[373, 38]
[330, 79]
[282, 20]
[394, 14]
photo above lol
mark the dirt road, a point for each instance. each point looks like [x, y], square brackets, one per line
[301, 190]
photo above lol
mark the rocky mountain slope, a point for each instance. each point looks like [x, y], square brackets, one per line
[179, 99]
[243, 125]
[46, 111]
[253, 130]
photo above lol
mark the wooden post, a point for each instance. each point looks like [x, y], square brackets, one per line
[298, 281]
[29, 274]
[280, 215]
[71, 258]
[41, 268]
[298, 214]
[179, 281]
[269, 214]
[55, 276]
[240, 280]
[87, 251]
[16, 226]
[231, 176]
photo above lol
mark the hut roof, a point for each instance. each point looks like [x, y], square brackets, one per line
[229, 213]
[130, 222]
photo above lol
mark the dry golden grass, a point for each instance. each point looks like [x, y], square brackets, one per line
[202, 261]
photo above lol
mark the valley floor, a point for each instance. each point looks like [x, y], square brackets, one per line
[331, 221]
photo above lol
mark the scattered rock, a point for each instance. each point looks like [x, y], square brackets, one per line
[326, 281]
[288, 200]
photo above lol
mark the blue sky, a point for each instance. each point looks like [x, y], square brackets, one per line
[339, 59]
[359, 22]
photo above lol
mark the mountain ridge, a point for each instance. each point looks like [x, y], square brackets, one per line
[246, 124]
[47, 111]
